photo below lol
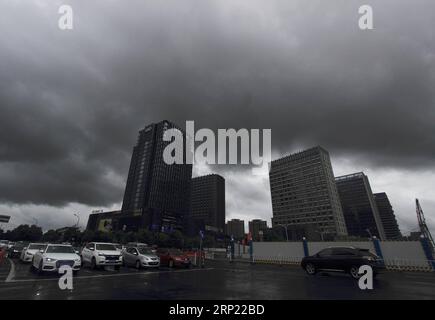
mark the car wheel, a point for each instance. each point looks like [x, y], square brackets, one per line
[93, 264]
[138, 265]
[310, 269]
[354, 272]
[171, 263]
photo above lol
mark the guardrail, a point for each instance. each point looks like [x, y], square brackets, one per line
[281, 260]
[409, 265]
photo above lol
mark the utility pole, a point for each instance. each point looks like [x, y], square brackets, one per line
[78, 220]
[285, 227]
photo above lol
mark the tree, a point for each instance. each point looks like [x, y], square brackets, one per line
[72, 235]
[176, 239]
[25, 232]
[51, 236]
[209, 242]
[162, 239]
[274, 234]
[145, 236]
[191, 242]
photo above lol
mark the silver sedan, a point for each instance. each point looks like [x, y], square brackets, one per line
[140, 257]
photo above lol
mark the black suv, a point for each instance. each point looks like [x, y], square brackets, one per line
[342, 259]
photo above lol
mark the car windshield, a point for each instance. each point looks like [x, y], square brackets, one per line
[60, 249]
[144, 250]
[106, 246]
[37, 247]
[366, 252]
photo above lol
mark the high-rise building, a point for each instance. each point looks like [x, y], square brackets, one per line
[207, 204]
[235, 228]
[304, 194]
[157, 194]
[359, 206]
[256, 227]
[388, 219]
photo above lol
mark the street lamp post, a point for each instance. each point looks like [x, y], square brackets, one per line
[78, 220]
[285, 227]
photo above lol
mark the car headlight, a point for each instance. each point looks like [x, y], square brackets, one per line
[29, 253]
[50, 259]
[101, 254]
[77, 260]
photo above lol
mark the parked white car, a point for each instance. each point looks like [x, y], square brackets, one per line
[100, 254]
[30, 250]
[4, 244]
[54, 256]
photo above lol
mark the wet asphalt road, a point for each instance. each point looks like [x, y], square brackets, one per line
[218, 280]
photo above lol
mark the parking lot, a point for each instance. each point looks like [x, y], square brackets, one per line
[217, 280]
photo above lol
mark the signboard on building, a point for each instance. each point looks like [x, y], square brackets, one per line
[105, 225]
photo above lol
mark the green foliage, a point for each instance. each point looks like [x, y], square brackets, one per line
[145, 236]
[51, 236]
[274, 234]
[25, 232]
[72, 235]
[175, 239]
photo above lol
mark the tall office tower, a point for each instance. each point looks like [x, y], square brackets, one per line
[256, 227]
[207, 204]
[359, 206]
[157, 194]
[304, 195]
[236, 228]
[388, 219]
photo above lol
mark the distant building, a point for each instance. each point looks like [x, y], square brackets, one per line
[157, 194]
[207, 204]
[256, 228]
[236, 228]
[304, 194]
[414, 236]
[359, 207]
[388, 219]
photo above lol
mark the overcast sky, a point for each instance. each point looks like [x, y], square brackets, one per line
[72, 102]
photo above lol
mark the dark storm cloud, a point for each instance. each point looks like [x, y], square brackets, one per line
[71, 102]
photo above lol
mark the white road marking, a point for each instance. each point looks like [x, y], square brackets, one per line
[110, 275]
[11, 274]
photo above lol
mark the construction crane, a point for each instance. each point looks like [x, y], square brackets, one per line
[423, 226]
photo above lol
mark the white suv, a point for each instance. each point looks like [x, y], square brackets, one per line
[99, 254]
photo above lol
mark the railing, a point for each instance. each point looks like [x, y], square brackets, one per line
[409, 264]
